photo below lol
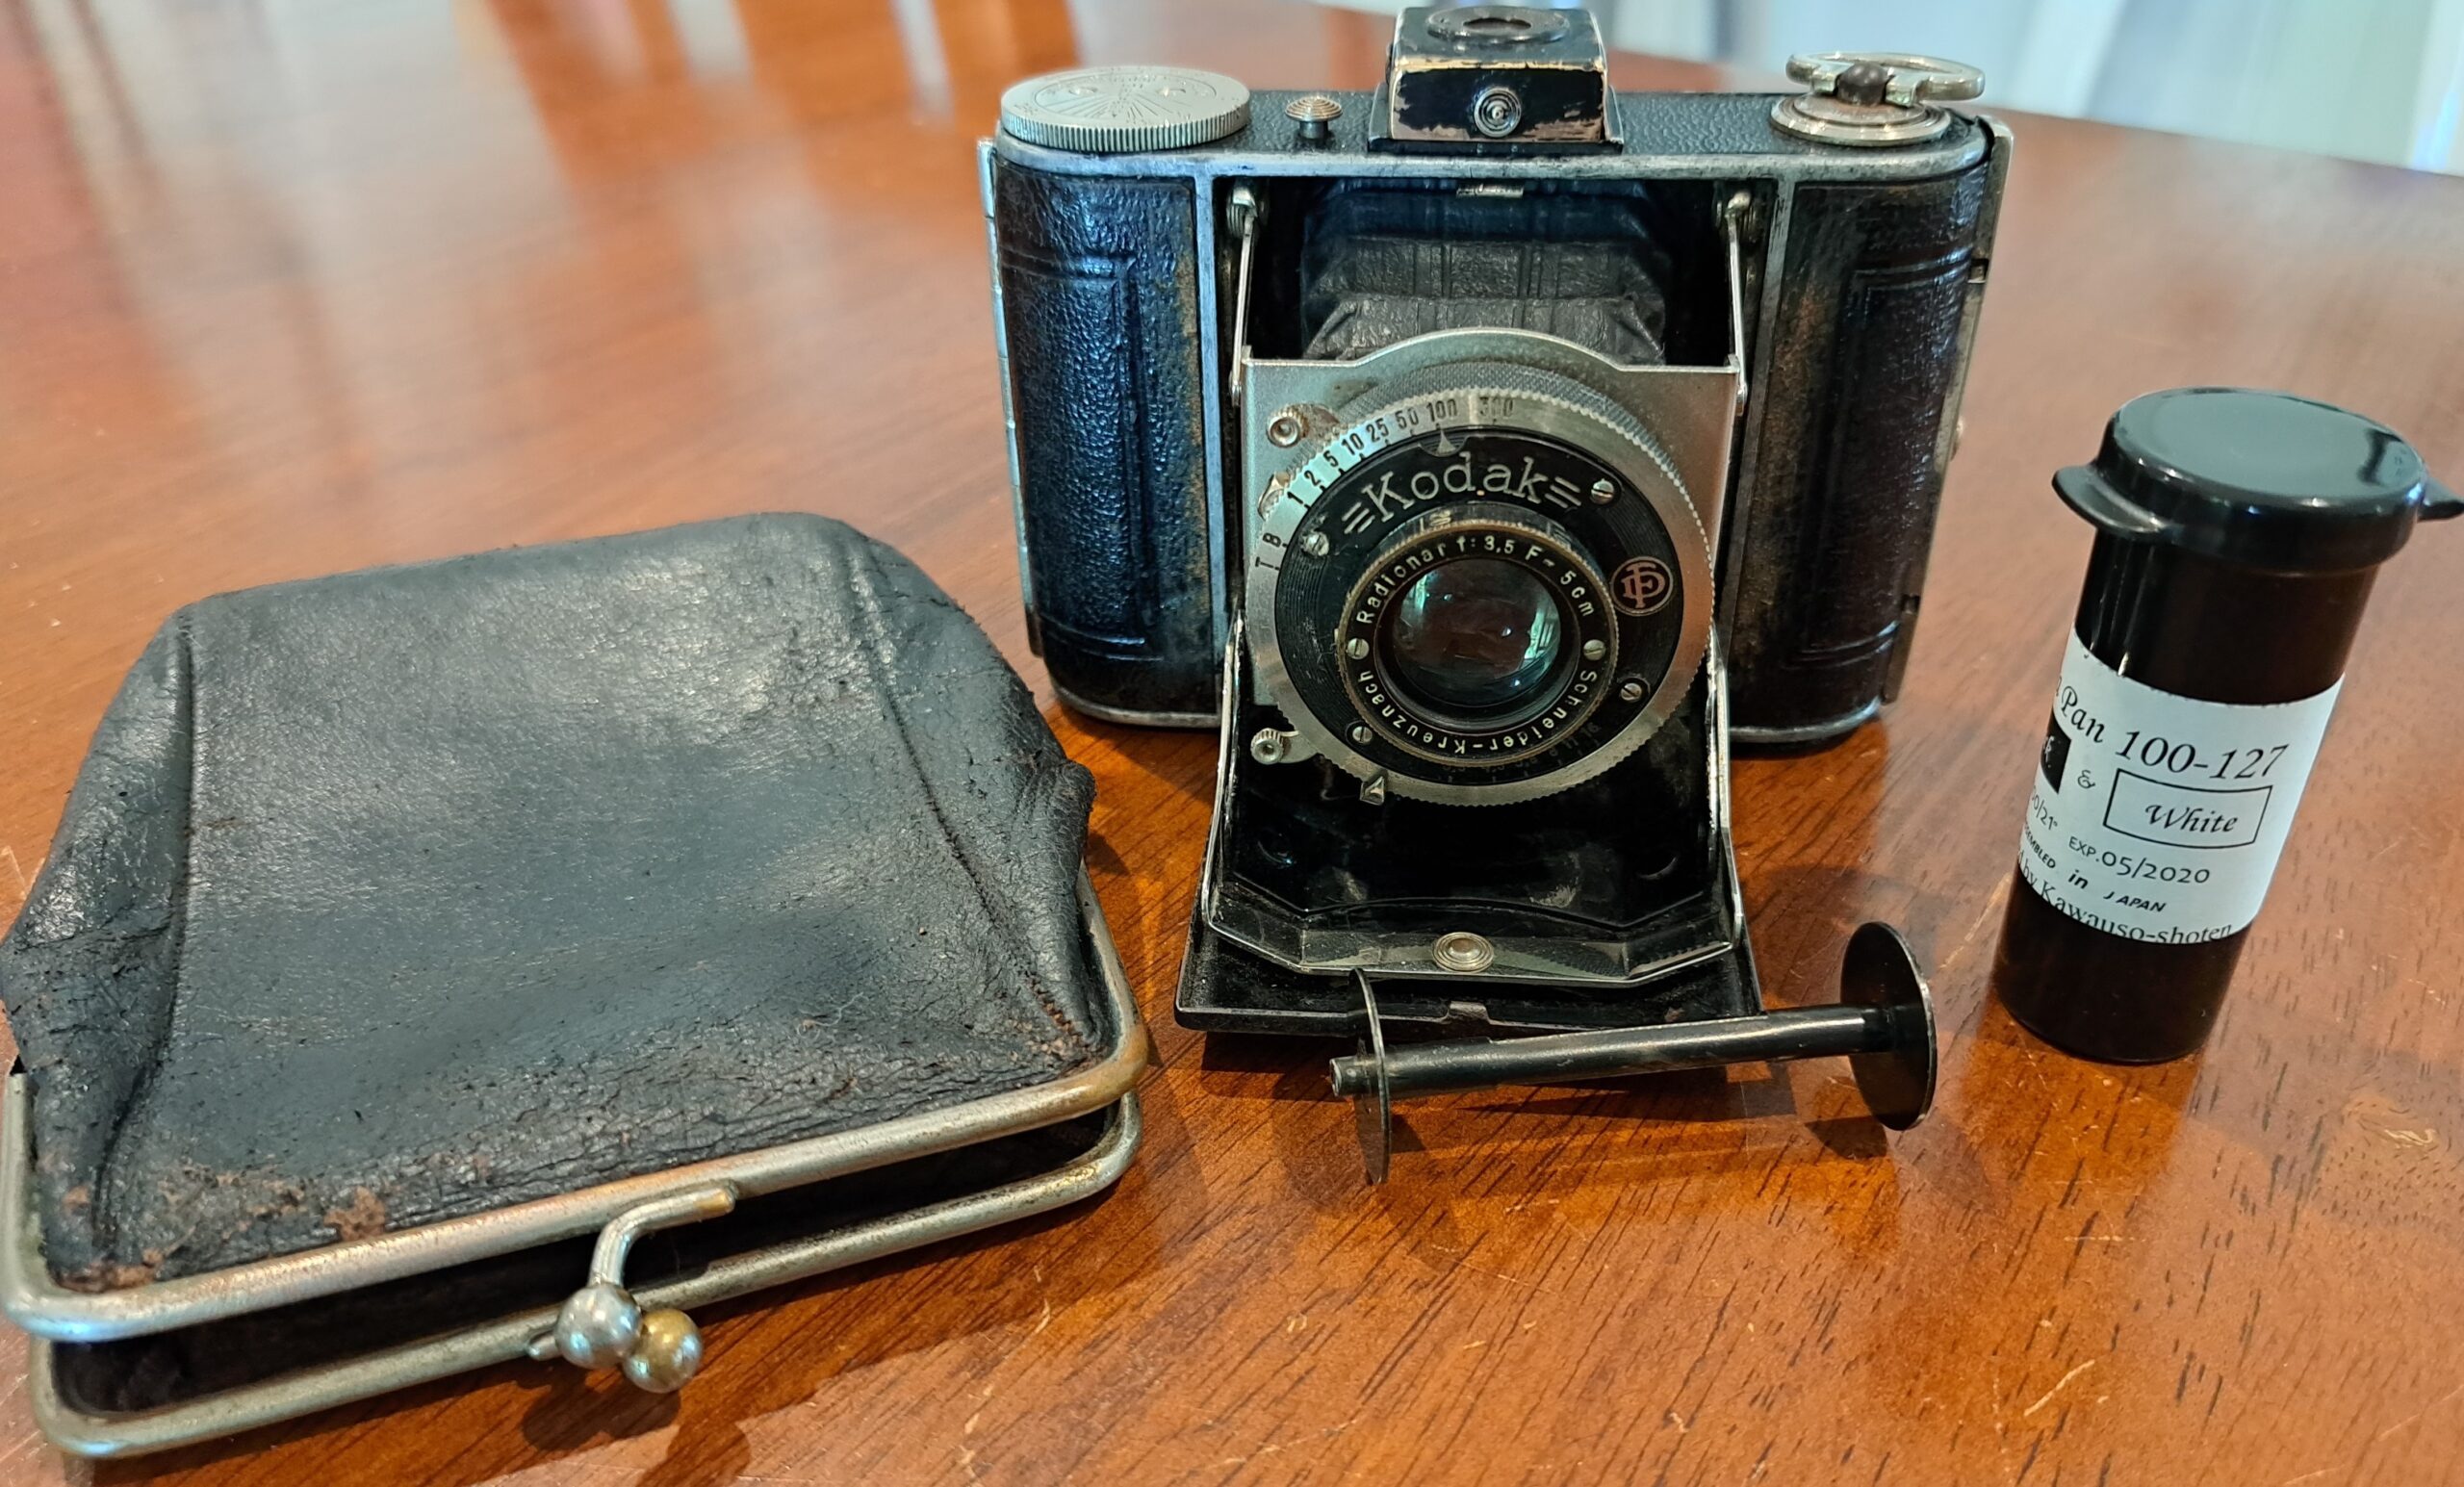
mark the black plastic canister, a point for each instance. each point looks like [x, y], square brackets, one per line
[2236, 536]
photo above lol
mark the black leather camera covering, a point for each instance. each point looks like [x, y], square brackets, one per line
[1099, 277]
[1838, 519]
[406, 895]
[1099, 306]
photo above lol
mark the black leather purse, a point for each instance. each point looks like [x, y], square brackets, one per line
[680, 913]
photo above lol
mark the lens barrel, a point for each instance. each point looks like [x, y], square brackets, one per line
[1480, 633]
[1481, 591]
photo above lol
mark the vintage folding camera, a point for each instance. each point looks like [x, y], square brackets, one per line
[1476, 452]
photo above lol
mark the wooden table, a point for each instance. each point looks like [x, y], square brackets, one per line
[289, 290]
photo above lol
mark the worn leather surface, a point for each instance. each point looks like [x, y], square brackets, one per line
[1840, 513]
[1099, 293]
[412, 893]
[169, 1367]
[1099, 303]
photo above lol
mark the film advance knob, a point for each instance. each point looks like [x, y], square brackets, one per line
[1118, 110]
[1873, 97]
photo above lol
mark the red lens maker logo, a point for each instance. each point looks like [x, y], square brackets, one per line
[1641, 585]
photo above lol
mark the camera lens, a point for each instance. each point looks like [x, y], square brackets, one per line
[1475, 636]
[1428, 598]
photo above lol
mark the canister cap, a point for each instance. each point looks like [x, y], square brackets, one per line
[2258, 478]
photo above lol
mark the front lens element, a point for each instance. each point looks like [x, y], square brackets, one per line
[1475, 636]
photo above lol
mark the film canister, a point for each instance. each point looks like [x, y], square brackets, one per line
[2236, 536]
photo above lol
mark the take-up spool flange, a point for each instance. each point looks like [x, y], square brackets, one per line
[1882, 1024]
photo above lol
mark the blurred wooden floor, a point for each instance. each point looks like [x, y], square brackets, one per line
[290, 288]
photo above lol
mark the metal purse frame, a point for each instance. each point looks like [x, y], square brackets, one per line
[54, 1314]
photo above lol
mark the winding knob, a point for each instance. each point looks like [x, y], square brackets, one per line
[1871, 98]
[1902, 78]
[1114, 111]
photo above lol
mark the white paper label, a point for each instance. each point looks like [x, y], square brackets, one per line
[2161, 818]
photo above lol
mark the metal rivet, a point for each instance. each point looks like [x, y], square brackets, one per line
[1594, 649]
[1358, 649]
[1285, 428]
[1464, 951]
[1314, 112]
[1265, 746]
[1632, 691]
[1315, 544]
[1496, 111]
[1603, 492]
[1360, 733]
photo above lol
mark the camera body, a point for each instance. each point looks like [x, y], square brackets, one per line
[1469, 452]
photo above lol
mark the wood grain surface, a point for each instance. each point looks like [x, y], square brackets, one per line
[289, 288]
